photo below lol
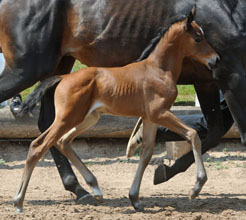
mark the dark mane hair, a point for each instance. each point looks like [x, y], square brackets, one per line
[152, 44]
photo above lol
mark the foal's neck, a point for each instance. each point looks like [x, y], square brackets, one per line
[169, 53]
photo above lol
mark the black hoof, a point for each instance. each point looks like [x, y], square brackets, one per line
[86, 200]
[193, 195]
[15, 105]
[160, 174]
[138, 207]
[136, 203]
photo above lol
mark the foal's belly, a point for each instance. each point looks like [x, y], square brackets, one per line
[119, 108]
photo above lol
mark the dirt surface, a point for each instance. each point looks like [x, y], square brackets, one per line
[223, 196]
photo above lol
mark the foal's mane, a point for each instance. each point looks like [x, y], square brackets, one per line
[152, 44]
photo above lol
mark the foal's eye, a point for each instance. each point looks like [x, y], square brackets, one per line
[198, 39]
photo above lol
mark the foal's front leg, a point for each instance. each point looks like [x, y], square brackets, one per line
[149, 135]
[170, 121]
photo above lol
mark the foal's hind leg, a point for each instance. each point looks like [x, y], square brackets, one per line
[65, 146]
[149, 135]
[170, 121]
[36, 150]
[46, 118]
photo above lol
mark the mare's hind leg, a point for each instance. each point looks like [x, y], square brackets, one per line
[65, 146]
[135, 140]
[149, 135]
[170, 121]
[46, 117]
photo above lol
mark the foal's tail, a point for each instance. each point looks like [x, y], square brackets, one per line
[37, 94]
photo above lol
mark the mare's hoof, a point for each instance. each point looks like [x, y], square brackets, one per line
[99, 198]
[16, 105]
[160, 174]
[86, 200]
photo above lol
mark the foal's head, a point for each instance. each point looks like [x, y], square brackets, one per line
[194, 43]
[186, 38]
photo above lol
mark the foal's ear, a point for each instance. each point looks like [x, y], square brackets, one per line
[191, 16]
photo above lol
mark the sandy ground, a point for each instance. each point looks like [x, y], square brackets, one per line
[223, 196]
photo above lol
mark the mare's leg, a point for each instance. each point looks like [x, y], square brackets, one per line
[149, 135]
[46, 117]
[65, 146]
[219, 121]
[15, 80]
[135, 140]
[231, 78]
[170, 121]
[213, 111]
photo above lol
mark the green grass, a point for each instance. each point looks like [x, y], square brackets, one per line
[217, 165]
[77, 66]
[186, 93]
[26, 92]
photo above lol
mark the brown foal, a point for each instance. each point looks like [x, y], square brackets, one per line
[146, 89]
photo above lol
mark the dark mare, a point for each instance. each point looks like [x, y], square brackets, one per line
[41, 38]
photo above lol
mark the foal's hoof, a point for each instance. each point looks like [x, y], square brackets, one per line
[138, 207]
[198, 187]
[160, 174]
[87, 200]
[19, 210]
[99, 198]
[193, 194]
[18, 204]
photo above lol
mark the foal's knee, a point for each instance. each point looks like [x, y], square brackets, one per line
[34, 153]
[194, 139]
[64, 145]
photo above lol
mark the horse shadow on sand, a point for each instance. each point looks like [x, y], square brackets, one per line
[212, 204]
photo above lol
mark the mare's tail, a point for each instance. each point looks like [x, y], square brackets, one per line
[37, 94]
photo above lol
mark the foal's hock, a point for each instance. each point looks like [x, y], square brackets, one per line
[146, 88]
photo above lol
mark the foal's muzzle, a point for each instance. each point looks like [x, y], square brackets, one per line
[213, 61]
